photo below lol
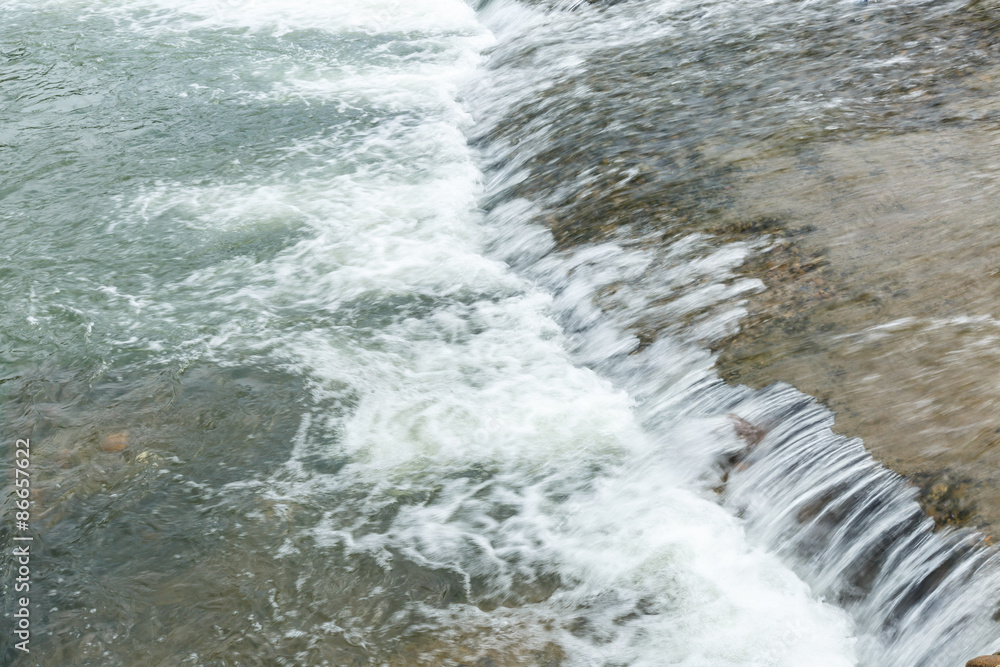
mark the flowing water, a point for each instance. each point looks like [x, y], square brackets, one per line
[384, 333]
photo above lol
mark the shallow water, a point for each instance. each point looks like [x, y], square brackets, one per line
[894, 321]
[407, 315]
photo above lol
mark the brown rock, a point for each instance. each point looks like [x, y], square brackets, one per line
[115, 442]
[749, 433]
[985, 661]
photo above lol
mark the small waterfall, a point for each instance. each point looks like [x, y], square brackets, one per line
[855, 531]
[848, 526]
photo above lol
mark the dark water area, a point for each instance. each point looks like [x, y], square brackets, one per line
[530, 333]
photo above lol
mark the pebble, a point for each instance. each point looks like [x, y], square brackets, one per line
[985, 661]
[115, 442]
[148, 457]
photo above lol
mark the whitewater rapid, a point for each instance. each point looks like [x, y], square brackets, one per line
[390, 419]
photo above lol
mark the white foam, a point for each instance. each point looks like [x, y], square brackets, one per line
[710, 599]
[479, 377]
[282, 16]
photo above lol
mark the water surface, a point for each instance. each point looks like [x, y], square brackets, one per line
[405, 315]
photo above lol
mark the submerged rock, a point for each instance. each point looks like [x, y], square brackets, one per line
[115, 442]
[752, 434]
[985, 661]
